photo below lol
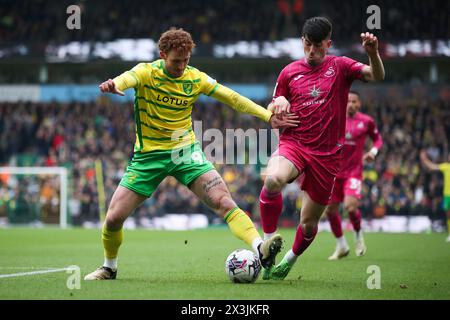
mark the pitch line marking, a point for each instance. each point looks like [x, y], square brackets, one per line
[27, 268]
[20, 274]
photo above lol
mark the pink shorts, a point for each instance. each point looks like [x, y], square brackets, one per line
[346, 187]
[317, 173]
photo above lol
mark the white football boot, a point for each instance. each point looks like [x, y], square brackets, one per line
[360, 246]
[102, 273]
[340, 252]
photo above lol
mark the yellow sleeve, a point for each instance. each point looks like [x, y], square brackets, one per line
[209, 85]
[132, 78]
[444, 166]
[239, 103]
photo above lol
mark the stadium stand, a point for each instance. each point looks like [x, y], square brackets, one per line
[75, 134]
[273, 20]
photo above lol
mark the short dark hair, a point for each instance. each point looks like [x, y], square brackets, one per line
[355, 93]
[317, 29]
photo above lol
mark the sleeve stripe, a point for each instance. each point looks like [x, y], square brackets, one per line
[213, 90]
[138, 124]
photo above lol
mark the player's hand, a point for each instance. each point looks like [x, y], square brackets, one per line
[369, 157]
[369, 43]
[110, 86]
[280, 106]
[284, 121]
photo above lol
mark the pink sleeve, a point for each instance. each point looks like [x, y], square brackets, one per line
[281, 87]
[375, 135]
[352, 69]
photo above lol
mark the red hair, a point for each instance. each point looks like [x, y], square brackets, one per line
[176, 39]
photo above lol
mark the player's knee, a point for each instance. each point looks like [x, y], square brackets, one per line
[329, 213]
[309, 228]
[331, 210]
[225, 204]
[309, 225]
[351, 207]
[113, 222]
[273, 184]
[220, 203]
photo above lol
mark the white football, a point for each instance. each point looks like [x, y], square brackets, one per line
[242, 266]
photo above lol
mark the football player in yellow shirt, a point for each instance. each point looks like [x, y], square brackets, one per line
[165, 92]
[445, 169]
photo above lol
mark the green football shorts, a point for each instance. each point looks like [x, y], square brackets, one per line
[147, 170]
[446, 203]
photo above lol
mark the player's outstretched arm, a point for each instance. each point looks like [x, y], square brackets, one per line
[375, 70]
[245, 105]
[427, 162]
[128, 79]
[110, 86]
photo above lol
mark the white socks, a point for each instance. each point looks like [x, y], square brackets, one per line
[268, 235]
[255, 245]
[290, 257]
[342, 243]
[110, 263]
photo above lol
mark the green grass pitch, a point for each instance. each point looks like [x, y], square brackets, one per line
[189, 265]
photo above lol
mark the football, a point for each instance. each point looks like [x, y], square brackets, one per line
[242, 266]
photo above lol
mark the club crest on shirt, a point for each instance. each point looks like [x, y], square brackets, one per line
[348, 135]
[330, 72]
[360, 125]
[187, 88]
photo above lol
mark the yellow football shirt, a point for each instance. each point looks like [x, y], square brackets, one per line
[163, 104]
[445, 169]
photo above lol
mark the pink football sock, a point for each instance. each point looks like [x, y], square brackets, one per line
[302, 240]
[335, 224]
[270, 205]
[355, 218]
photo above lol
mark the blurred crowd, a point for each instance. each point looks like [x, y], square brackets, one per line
[84, 137]
[397, 184]
[215, 21]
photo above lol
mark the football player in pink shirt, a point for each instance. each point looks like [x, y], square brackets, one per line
[347, 186]
[315, 88]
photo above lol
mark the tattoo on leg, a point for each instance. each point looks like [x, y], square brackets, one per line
[211, 184]
[208, 198]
